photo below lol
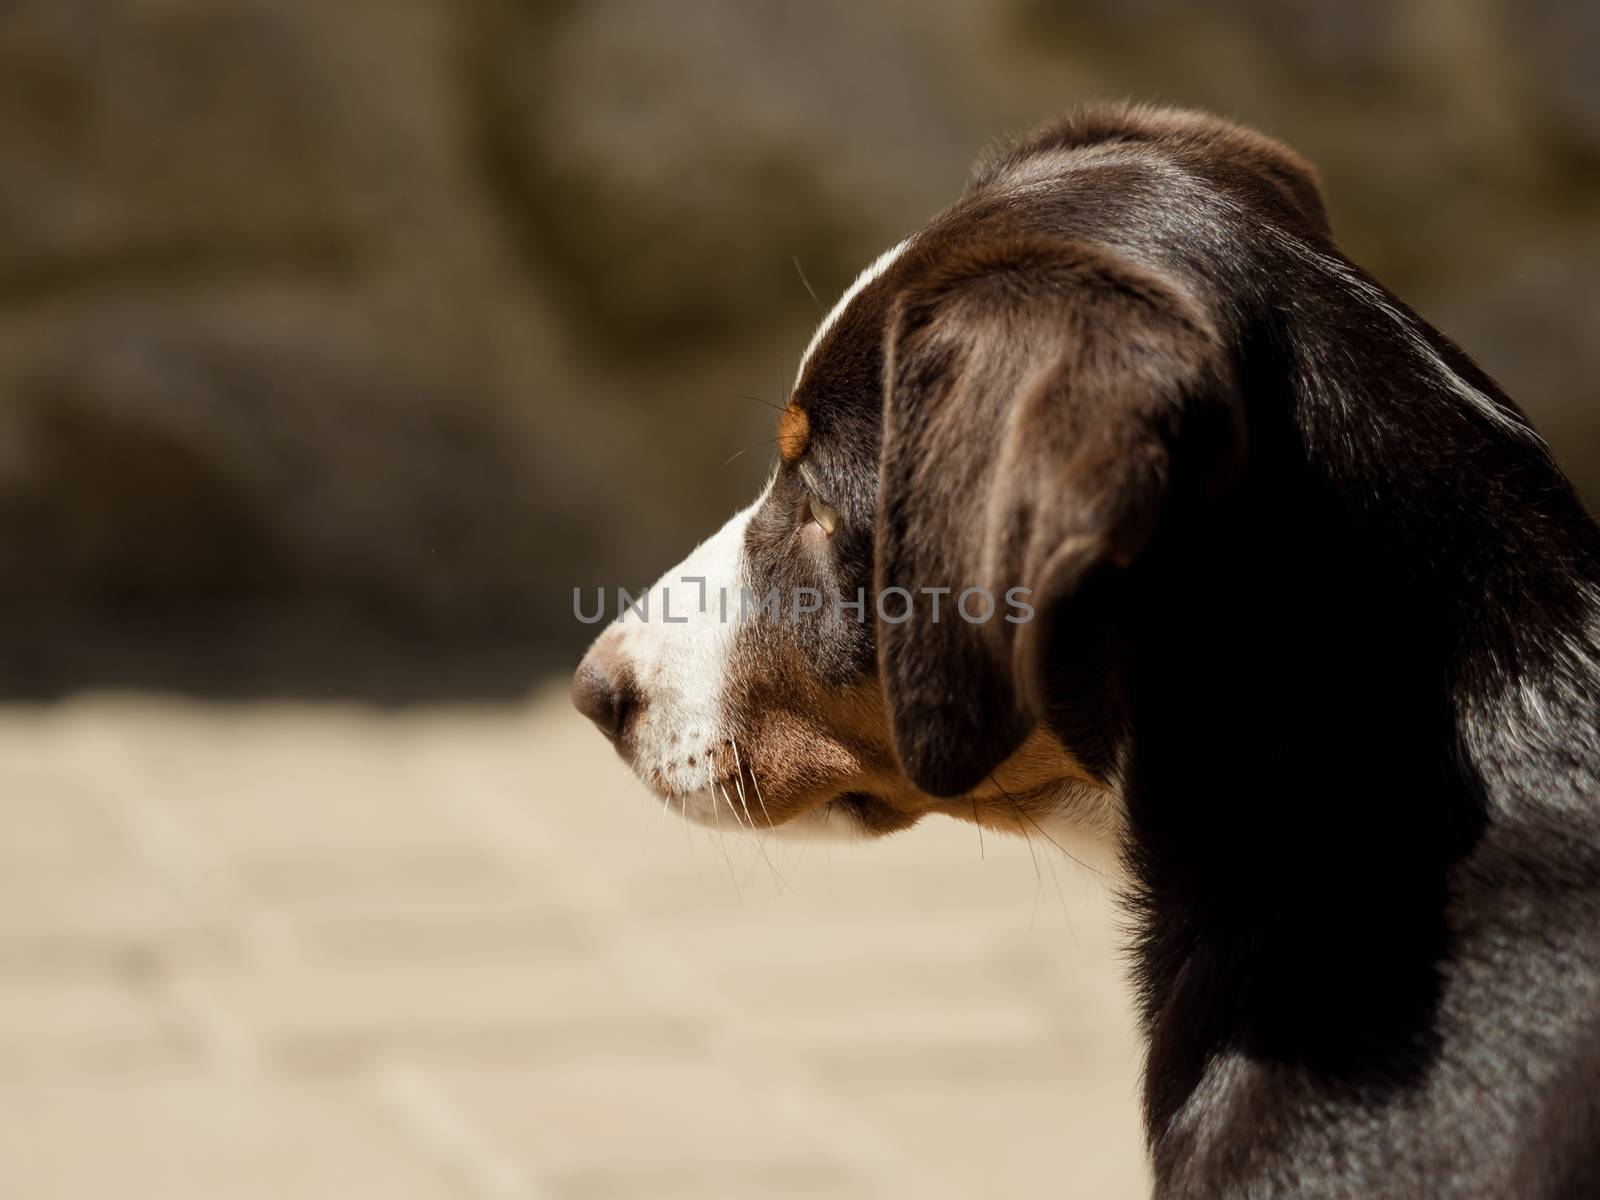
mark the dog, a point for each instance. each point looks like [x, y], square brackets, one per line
[1291, 606]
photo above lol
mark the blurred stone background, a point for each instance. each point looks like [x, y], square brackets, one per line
[340, 339]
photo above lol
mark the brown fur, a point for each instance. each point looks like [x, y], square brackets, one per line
[794, 433]
[804, 745]
[1234, 155]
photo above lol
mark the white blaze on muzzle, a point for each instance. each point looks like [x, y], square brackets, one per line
[677, 645]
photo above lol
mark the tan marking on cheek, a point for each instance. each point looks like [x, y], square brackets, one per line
[839, 742]
[808, 745]
[794, 433]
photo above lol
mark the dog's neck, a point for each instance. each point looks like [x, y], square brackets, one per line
[1531, 730]
[1336, 729]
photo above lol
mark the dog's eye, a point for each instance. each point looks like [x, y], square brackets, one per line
[825, 515]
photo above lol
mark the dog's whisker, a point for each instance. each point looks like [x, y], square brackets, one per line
[767, 816]
[738, 782]
[757, 400]
[1055, 882]
[760, 845]
[726, 799]
[1038, 875]
[1022, 814]
[810, 291]
[756, 446]
[756, 784]
[750, 821]
[1038, 880]
[1044, 833]
[716, 815]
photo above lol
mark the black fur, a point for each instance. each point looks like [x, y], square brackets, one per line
[1339, 644]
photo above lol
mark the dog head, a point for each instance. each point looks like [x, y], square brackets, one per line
[985, 434]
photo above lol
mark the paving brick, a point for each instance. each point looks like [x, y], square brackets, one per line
[349, 907]
[62, 1027]
[615, 1124]
[80, 919]
[225, 933]
[204, 1140]
[316, 1016]
[913, 1038]
[780, 1181]
[51, 821]
[1022, 1139]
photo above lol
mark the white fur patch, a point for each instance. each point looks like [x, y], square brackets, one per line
[874, 269]
[681, 655]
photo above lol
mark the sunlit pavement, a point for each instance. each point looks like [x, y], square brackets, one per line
[322, 951]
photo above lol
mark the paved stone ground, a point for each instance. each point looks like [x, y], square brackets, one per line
[317, 952]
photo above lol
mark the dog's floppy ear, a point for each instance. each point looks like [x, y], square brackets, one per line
[1040, 399]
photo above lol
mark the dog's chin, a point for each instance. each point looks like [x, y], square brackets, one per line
[868, 815]
[849, 816]
[725, 805]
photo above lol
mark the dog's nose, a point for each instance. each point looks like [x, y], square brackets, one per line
[600, 694]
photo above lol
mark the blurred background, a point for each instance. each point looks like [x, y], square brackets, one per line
[340, 340]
